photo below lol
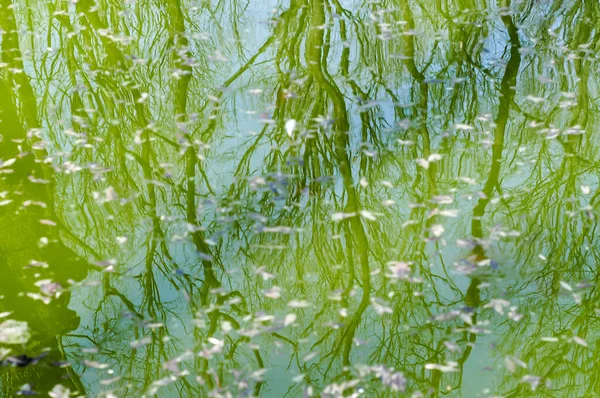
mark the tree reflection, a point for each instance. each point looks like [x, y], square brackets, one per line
[37, 266]
[345, 198]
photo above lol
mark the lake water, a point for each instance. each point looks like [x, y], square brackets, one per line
[222, 198]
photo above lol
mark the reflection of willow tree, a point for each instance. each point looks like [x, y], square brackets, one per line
[325, 150]
[217, 253]
[354, 233]
[28, 240]
[20, 245]
[124, 87]
[113, 122]
[472, 297]
[158, 251]
[317, 157]
[561, 226]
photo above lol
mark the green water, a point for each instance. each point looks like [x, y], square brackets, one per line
[223, 198]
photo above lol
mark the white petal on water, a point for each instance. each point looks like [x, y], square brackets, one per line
[407, 223]
[406, 142]
[7, 163]
[535, 100]
[580, 341]
[44, 299]
[143, 98]
[511, 363]
[566, 286]
[498, 305]
[464, 127]
[215, 341]
[273, 293]
[264, 274]
[299, 304]
[449, 213]
[341, 216]
[437, 230]
[14, 332]
[381, 307]
[298, 378]
[289, 319]
[95, 364]
[141, 342]
[442, 199]
[514, 315]
[368, 215]
[434, 157]
[450, 366]
[466, 318]
[60, 391]
[398, 269]
[452, 346]
[290, 126]
[549, 339]
[423, 163]
[532, 380]
[310, 356]
[35, 263]
[468, 180]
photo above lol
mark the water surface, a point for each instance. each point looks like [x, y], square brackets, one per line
[299, 198]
